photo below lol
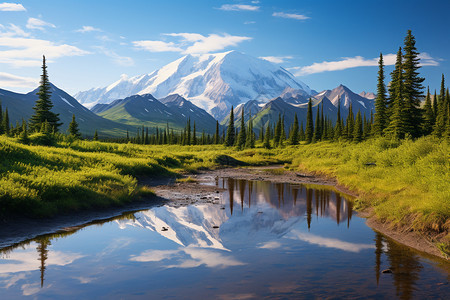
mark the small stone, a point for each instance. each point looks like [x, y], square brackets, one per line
[164, 229]
[215, 226]
[387, 271]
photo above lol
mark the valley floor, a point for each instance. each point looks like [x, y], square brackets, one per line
[402, 184]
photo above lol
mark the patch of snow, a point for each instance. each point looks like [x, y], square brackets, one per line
[146, 110]
[362, 103]
[65, 100]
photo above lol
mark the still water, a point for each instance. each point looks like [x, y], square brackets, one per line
[257, 240]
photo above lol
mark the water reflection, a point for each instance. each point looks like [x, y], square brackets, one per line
[260, 240]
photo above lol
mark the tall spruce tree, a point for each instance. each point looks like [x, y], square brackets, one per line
[293, 135]
[350, 123]
[277, 133]
[309, 132]
[413, 87]
[381, 120]
[194, 136]
[317, 127]
[217, 135]
[435, 106]
[396, 127]
[5, 122]
[266, 143]
[96, 135]
[250, 141]
[428, 120]
[242, 136]
[44, 104]
[73, 128]
[301, 135]
[358, 129]
[229, 140]
[338, 127]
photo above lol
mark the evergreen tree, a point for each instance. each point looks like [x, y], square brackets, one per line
[442, 93]
[194, 136]
[44, 104]
[283, 134]
[5, 121]
[217, 136]
[73, 128]
[229, 140]
[428, 121]
[301, 135]
[338, 127]
[413, 87]
[293, 135]
[380, 121]
[435, 106]
[95, 135]
[266, 143]
[396, 127]
[2, 130]
[261, 134]
[358, 130]
[350, 123]
[277, 133]
[395, 81]
[242, 137]
[309, 124]
[250, 141]
[23, 137]
[188, 132]
[317, 128]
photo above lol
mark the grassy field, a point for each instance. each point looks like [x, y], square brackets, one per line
[407, 183]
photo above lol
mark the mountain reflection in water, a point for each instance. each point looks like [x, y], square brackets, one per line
[259, 239]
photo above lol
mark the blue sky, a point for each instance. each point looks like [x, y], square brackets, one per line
[323, 43]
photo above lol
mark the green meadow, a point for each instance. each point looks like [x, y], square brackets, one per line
[405, 183]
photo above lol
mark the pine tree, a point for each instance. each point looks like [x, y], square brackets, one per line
[23, 137]
[442, 93]
[230, 138]
[293, 135]
[301, 135]
[396, 127]
[266, 143]
[95, 135]
[338, 127]
[250, 141]
[5, 122]
[435, 106]
[242, 137]
[283, 134]
[277, 133]
[44, 104]
[380, 121]
[350, 123]
[358, 130]
[413, 87]
[261, 134]
[428, 121]
[194, 136]
[2, 130]
[217, 136]
[395, 81]
[73, 128]
[317, 128]
[309, 124]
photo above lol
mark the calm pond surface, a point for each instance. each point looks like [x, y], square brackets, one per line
[258, 240]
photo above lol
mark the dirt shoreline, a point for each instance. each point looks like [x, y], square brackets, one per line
[200, 190]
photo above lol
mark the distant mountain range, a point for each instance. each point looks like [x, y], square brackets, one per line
[201, 88]
[145, 110]
[213, 82]
[21, 106]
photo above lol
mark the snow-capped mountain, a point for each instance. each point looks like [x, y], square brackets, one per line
[213, 82]
[368, 95]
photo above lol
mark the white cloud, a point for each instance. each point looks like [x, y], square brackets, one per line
[12, 30]
[10, 80]
[290, 16]
[357, 61]
[157, 46]
[276, 59]
[249, 22]
[192, 43]
[25, 52]
[34, 23]
[239, 7]
[117, 59]
[215, 42]
[85, 29]
[255, 2]
[5, 6]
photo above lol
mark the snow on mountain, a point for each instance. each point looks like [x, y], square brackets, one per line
[368, 95]
[213, 82]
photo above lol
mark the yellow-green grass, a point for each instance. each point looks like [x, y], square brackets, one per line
[409, 184]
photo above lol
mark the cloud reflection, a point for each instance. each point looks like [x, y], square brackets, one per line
[189, 257]
[330, 242]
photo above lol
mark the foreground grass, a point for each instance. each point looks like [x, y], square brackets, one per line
[407, 183]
